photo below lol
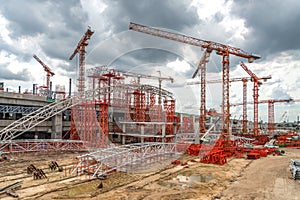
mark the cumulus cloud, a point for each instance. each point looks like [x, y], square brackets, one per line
[53, 28]
[6, 74]
[272, 24]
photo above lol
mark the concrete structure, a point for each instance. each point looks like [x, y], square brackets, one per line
[13, 106]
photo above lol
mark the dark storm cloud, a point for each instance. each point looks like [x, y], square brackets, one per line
[144, 56]
[6, 74]
[60, 22]
[33, 17]
[155, 13]
[168, 14]
[24, 18]
[131, 49]
[273, 23]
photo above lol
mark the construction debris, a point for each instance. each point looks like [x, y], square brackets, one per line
[9, 188]
[30, 169]
[37, 173]
[53, 166]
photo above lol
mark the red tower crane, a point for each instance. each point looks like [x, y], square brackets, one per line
[223, 50]
[202, 68]
[49, 73]
[244, 80]
[256, 84]
[270, 103]
[81, 50]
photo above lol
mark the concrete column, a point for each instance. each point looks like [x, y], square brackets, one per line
[142, 133]
[175, 131]
[36, 134]
[123, 137]
[70, 87]
[196, 127]
[163, 132]
[57, 127]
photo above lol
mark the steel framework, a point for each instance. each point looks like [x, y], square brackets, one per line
[123, 158]
[270, 103]
[89, 126]
[40, 115]
[80, 48]
[33, 119]
[15, 146]
[49, 73]
[202, 68]
[17, 109]
[244, 80]
[223, 50]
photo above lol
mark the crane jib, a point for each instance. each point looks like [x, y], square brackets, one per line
[192, 41]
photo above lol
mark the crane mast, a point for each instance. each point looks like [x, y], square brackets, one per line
[49, 73]
[81, 50]
[245, 81]
[223, 50]
[270, 103]
[202, 68]
[256, 84]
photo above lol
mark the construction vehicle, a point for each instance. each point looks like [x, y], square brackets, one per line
[295, 168]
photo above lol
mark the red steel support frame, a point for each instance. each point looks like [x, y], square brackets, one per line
[245, 121]
[48, 71]
[169, 106]
[81, 77]
[185, 124]
[255, 110]
[244, 80]
[256, 84]
[221, 49]
[73, 133]
[203, 100]
[202, 68]
[270, 111]
[225, 103]
[81, 50]
[271, 116]
[103, 119]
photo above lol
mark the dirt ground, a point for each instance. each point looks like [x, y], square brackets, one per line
[265, 178]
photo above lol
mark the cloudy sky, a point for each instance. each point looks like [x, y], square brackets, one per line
[52, 29]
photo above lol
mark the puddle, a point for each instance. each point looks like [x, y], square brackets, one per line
[191, 180]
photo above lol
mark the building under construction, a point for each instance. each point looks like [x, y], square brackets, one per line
[121, 123]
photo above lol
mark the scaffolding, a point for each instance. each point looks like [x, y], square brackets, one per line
[123, 158]
[15, 146]
[89, 126]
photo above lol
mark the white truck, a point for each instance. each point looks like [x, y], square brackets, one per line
[295, 168]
